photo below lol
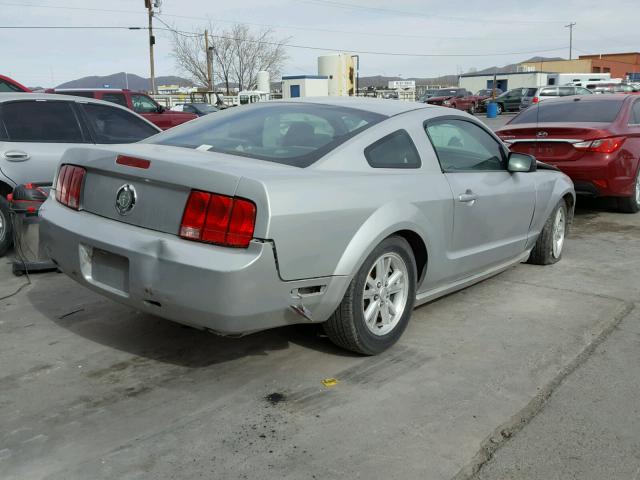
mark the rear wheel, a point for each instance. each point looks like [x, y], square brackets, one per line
[548, 247]
[499, 108]
[6, 228]
[376, 308]
[631, 204]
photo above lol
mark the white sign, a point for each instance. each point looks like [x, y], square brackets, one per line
[402, 84]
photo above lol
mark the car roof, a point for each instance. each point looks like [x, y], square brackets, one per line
[373, 105]
[589, 98]
[11, 96]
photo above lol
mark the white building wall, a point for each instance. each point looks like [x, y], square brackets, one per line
[475, 83]
[309, 87]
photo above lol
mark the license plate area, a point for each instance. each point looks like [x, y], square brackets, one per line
[104, 269]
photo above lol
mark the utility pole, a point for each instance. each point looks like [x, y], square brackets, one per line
[570, 27]
[152, 41]
[207, 51]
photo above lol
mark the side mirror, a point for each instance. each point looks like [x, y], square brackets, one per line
[521, 162]
[161, 109]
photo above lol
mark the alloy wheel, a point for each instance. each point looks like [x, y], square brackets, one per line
[3, 226]
[559, 227]
[385, 294]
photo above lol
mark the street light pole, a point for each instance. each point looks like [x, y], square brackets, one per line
[570, 27]
[152, 41]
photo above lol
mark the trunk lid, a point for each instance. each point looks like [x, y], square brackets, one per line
[162, 189]
[552, 142]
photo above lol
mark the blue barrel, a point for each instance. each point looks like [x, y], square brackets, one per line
[492, 110]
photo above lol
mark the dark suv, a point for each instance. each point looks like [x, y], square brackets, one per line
[140, 103]
[510, 100]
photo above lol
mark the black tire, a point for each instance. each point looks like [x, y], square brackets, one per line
[6, 228]
[347, 328]
[472, 109]
[630, 204]
[542, 253]
[500, 108]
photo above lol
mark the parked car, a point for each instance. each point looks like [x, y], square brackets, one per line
[457, 98]
[36, 129]
[318, 211]
[427, 94]
[200, 109]
[614, 88]
[544, 93]
[139, 102]
[510, 100]
[593, 139]
[9, 85]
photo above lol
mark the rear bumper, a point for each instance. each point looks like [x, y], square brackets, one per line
[601, 175]
[229, 291]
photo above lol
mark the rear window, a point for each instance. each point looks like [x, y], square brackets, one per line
[572, 111]
[529, 92]
[294, 134]
[78, 94]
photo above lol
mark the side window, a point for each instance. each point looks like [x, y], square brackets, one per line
[188, 109]
[583, 91]
[143, 104]
[464, 146]
[566, 91]
[634, 119]
[118, 98]
[549, 92]
[8, 87]
[396, 150]
[41, 121]
[114, 125]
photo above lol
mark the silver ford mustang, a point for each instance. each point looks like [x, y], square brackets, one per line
[347, 212]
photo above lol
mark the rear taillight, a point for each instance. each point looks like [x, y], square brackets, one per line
[69, 185]
[212, 218]
[535, 100]
[600, 145]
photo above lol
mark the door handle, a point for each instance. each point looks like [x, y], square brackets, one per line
[467, 197]
[16, 156]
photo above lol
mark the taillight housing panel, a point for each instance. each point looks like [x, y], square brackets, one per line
[600, 145]
[69, 185]
[218, 219]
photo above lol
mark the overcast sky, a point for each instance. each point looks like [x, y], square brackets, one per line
[50, 57]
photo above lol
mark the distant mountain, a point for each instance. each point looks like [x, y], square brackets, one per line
[120, 80]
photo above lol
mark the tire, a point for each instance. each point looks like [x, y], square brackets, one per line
[543, 252]
[348, 328]
[631, 204]
[500, 108]
[6, 228]
[472, 109]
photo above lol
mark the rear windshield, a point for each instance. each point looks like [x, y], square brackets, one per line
[572, 111]
[294, 134]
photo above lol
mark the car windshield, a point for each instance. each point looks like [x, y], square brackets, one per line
[204, 107]
[571, 112]
[294, 134]
[446, 92]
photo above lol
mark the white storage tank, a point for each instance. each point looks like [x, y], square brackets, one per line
[340, 71]
[263, 83]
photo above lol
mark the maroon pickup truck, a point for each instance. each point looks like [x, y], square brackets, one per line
[140, 103]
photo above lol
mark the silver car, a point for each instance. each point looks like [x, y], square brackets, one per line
[346, 212]
[37, 128]
[536, 95]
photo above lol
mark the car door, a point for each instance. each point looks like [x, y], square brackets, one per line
[493, 208]
[512, 100]
[145, 106]
[36, 134]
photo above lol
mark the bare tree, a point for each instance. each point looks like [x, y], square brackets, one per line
[238, 54]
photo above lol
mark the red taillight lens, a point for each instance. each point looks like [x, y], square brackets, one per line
[69, 185]
[535, 100]
[600, 145]
[133, 162]
[219, 219]
[242, 223]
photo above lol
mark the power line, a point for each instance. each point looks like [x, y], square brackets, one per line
[473, 19]
[61, 27]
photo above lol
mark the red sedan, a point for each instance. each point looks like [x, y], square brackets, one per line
[594, 139]
[9, 85]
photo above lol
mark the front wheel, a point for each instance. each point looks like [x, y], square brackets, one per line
[499, 108]
[6, 228]
[631, 204]
[377, 305]
[472, 109]
[548, 247]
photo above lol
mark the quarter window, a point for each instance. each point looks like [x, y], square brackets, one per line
[117, 98]
[41, 121]
[114, 125]
[396, 150]
[635, 114]
[143, 104]
[463, 146]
